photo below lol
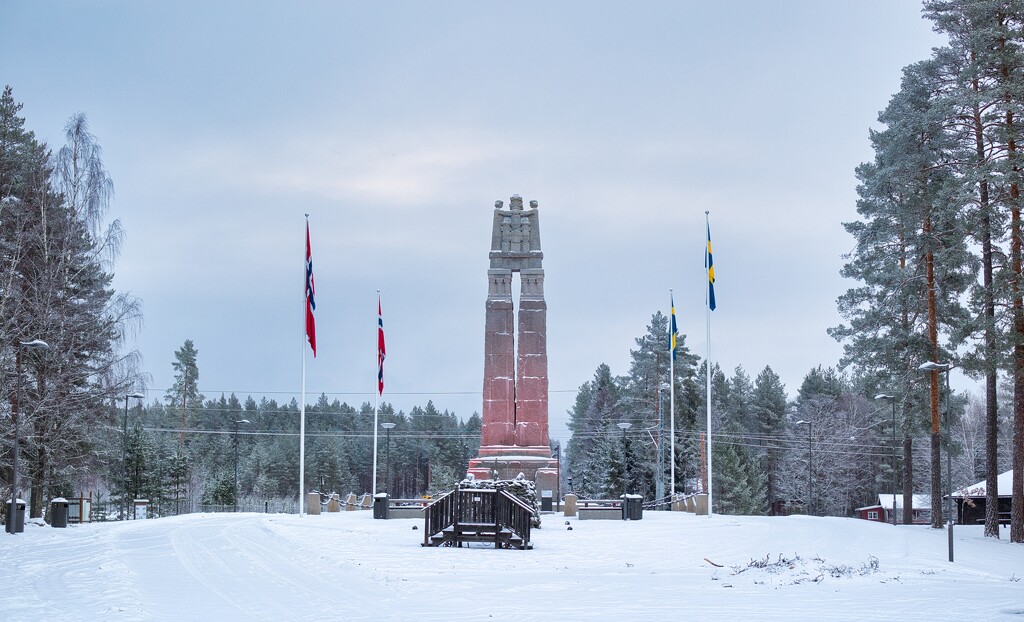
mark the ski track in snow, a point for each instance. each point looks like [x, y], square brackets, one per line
[347, 565]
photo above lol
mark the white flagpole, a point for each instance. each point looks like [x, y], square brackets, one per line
[376, 401]
[302, 401]
[707, 313]
[302, 436]
[672, 402]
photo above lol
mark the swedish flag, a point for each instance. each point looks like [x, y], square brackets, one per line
[711, 273]
[673, 340]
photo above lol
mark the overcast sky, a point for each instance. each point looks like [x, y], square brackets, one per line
[397, 125]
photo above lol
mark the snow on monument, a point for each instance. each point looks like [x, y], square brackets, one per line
[515, 397]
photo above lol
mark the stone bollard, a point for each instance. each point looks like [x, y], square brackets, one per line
[350, 502]
[702, 504]
[678, 503]
[313, 503]
[333, 505]
[570, 504]
[366, 503]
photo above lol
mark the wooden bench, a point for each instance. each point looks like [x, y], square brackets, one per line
[1004, 519]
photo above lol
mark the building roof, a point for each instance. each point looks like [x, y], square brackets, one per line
[1004, 484]
[868, 507]
[920, 501]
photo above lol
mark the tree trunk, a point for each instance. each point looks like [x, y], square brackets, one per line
[42, 485]
[1017, 514]
[908, 480]
[933, 377]
[989, 312]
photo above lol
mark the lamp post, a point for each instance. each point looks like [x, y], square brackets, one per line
[35, 344]
[810, 458]
[387, 453]
[932, 366]
[124, 451]
[892, 400]
[234, 493]
[624, 425]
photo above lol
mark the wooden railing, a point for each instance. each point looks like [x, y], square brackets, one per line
[438, 516]
[514, 515]
[476, 507]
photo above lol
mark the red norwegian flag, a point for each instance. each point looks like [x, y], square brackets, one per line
[310, 291]
[381, 350]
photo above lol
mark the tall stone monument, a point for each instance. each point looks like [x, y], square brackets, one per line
[515, 398]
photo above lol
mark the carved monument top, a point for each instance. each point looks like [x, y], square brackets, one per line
[515, 238]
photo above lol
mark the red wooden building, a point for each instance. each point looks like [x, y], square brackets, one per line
[883, 510]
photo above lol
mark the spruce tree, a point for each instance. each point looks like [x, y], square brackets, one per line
[769, 406]
[594, 435]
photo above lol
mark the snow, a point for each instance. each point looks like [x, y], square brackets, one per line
[919, 501]
[1004, 484]
[347, 565]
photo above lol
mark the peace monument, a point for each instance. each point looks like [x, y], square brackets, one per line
[514, 437]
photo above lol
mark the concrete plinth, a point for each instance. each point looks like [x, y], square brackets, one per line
[701, 504]
[313, 503]
[570, 504]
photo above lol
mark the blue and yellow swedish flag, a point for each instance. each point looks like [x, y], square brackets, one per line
[673, 340]
[711, 273]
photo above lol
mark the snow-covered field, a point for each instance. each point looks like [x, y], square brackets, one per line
[348, 566]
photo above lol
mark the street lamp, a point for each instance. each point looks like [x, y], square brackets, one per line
[124, 451]
[932, 366]
[387, 453]
[810, 458]
[234, 494]
[12, 517]
[624, 425]
[892, 399]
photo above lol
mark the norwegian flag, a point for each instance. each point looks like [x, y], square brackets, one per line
[381, 350]
[310, 291]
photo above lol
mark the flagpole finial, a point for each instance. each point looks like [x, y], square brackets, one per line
[307, 215]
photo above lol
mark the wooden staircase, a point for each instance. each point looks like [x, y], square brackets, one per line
[478, 515]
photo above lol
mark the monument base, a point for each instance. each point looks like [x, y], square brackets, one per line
[507, 462]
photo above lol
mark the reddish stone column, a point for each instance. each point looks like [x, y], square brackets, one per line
[499, 365]
[532, 363]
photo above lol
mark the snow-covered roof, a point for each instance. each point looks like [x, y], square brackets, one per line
[920, 501]
[867, 507]
[1004, 484]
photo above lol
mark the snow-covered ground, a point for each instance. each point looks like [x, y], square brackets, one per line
[348, 566]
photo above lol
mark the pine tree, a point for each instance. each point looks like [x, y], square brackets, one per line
[911, 248]
[739, 483]
[973, 28]
[594, 435]
[55, 286]
[769, 405]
